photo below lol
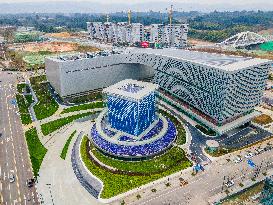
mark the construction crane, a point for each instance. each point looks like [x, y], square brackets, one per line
[129, 16]
[171, 29]
[171, 15]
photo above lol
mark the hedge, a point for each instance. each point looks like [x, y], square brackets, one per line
[65, 148]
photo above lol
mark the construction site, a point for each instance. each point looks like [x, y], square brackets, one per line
[31, 55]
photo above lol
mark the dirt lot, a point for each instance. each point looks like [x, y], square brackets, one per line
[197, 42]
[53, 47]
[59, 35]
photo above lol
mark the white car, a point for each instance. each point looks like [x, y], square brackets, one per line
[229, 183]
[11, 178]
[249, 155]
[237, 160]
[259, 151]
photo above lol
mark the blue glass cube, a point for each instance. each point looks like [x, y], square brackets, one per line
[131, 106]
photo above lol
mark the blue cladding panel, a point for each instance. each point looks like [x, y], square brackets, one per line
[146, 112]
[129, 116]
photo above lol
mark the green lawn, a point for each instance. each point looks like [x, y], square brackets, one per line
[115, 184]
[83, 107]
[33, 59]
[65, 148]
[23, 109]
[46, 106]
[52, 126]
[36, 150]
[29, 99]
[158, 164]
[181, 136]
[21, 87]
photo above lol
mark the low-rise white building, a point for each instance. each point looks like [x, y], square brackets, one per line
[174, 35]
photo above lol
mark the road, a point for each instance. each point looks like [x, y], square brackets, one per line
[206, 184]
[14, 156]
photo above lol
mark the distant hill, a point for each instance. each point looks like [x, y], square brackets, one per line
[91, 7]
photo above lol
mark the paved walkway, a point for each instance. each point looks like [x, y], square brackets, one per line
[57, 182]
[205, 184]
[91, 183]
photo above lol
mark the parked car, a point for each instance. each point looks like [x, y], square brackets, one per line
[237, 160]
[11, 178]
[229, 183]
[259, 151]
[249, 155]
[267, 148]
[30, 182]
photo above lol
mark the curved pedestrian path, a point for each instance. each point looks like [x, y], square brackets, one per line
[57, 182]
[90, 183]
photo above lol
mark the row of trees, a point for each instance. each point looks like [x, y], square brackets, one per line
[214, 26]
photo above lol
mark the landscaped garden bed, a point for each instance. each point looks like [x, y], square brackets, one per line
[66, 146]
[52, 126]
[115, 183]
[205, 130]
[158, 164]
[36, 150]
[23, 109]
[181, 132]
[87, 106]
[47, 105]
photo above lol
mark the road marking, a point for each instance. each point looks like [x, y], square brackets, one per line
[18, 186]
[200, 178]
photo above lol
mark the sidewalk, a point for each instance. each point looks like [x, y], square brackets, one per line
[57, 182]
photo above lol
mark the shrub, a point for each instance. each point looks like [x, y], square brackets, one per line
[21, 87]
[205, 130]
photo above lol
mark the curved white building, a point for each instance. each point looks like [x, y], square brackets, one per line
[213, 88]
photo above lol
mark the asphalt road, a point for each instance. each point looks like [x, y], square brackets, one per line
[207, 184]
[14, 156]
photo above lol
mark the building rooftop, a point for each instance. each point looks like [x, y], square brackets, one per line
[227, 63]
[220, 61]
[131, 89]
